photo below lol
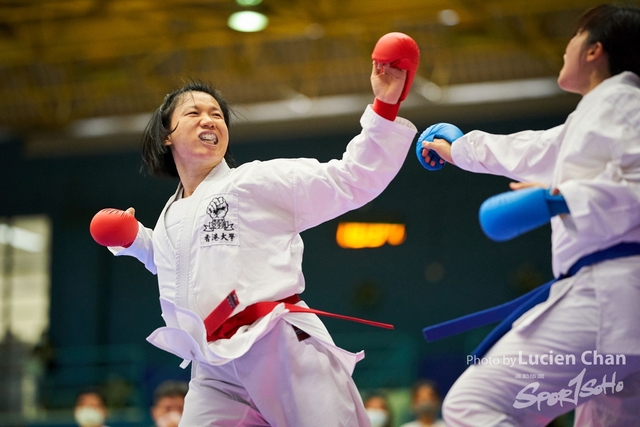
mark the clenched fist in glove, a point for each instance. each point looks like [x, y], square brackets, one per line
[114, 227]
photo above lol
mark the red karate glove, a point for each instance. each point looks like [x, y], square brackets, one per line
[399, 51]
[114, 227]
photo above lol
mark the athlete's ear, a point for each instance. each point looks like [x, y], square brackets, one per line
[595, 51]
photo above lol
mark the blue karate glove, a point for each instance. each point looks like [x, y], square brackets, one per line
[508, 215]
[444, 131]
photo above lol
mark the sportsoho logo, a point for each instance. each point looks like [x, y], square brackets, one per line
[581, 386]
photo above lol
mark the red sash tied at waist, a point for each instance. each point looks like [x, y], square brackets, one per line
[219, 325]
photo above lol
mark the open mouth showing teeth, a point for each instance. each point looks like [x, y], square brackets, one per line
[209, 138]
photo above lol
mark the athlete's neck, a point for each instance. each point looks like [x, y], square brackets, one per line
[190, 179]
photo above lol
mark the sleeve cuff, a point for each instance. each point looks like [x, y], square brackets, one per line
[387, 111]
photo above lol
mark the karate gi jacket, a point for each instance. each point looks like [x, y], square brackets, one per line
[594, 160]
[241, 233]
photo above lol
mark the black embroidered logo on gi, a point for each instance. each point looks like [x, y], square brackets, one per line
[219, 229]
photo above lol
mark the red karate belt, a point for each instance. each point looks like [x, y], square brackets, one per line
[219, 325]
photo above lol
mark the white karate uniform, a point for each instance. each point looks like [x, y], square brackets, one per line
[594, 160]
[240, 231]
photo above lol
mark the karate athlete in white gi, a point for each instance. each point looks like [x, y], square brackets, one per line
[229, 238]
[581, 347]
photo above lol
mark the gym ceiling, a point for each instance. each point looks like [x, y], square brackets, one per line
[62, 61]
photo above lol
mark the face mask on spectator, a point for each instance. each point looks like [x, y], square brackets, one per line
[169, 419]
[427, 409]
[87, 416]
[378, 417]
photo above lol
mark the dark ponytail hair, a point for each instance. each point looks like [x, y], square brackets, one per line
[156, 155]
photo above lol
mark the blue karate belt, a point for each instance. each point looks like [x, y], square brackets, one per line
[509, 312]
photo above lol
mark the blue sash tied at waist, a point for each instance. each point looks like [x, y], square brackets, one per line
[509, 312]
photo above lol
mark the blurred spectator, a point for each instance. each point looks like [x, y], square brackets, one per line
[90, 410]
[377, 406]
[425, 405]
[168, 403]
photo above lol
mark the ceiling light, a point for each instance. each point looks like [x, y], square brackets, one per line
[248, 3]
[248, 21]
[449, 17]
[428, 89]
[301, 104]
[477, 93]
